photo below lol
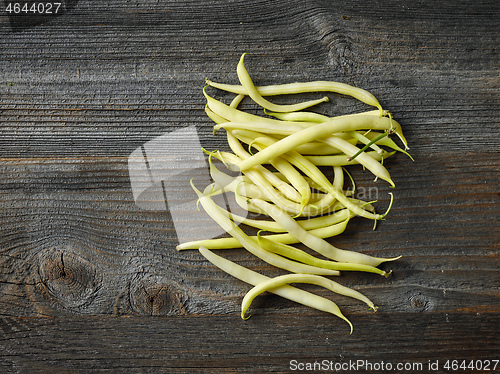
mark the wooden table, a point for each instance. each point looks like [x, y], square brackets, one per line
[91, 282]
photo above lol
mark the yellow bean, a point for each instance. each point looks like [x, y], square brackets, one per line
[286, 291]
[250, 244]
[247, 83]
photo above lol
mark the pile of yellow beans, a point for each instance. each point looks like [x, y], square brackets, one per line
[281, 156]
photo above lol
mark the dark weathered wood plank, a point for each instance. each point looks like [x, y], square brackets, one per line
[83, 210]
[264, 344]
[435, 71]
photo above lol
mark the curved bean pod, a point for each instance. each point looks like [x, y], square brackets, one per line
[282, 186]
[315, 117]
[290, 173]
[246, 82]
[307, 224]
[388, 142]
[237, 100]
[250, 244]
[315, 174]
[270, 193]
[237, 185]
[230, 243]
[296, 254]
[282, 280]
[315, 243]
[286, 291]
[294, 88]
[318, 148]
[364, 140]
[214, 116]
[233, 114]
[342, 160]
[363, 158]
[309, 134]
[299, 116]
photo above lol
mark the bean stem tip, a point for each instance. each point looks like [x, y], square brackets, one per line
[390, 206]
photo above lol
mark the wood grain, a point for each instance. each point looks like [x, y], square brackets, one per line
[90, 282]
[199, 345]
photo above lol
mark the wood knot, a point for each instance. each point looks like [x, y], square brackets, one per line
[157, 296]
[68, 278]
[420, 302]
